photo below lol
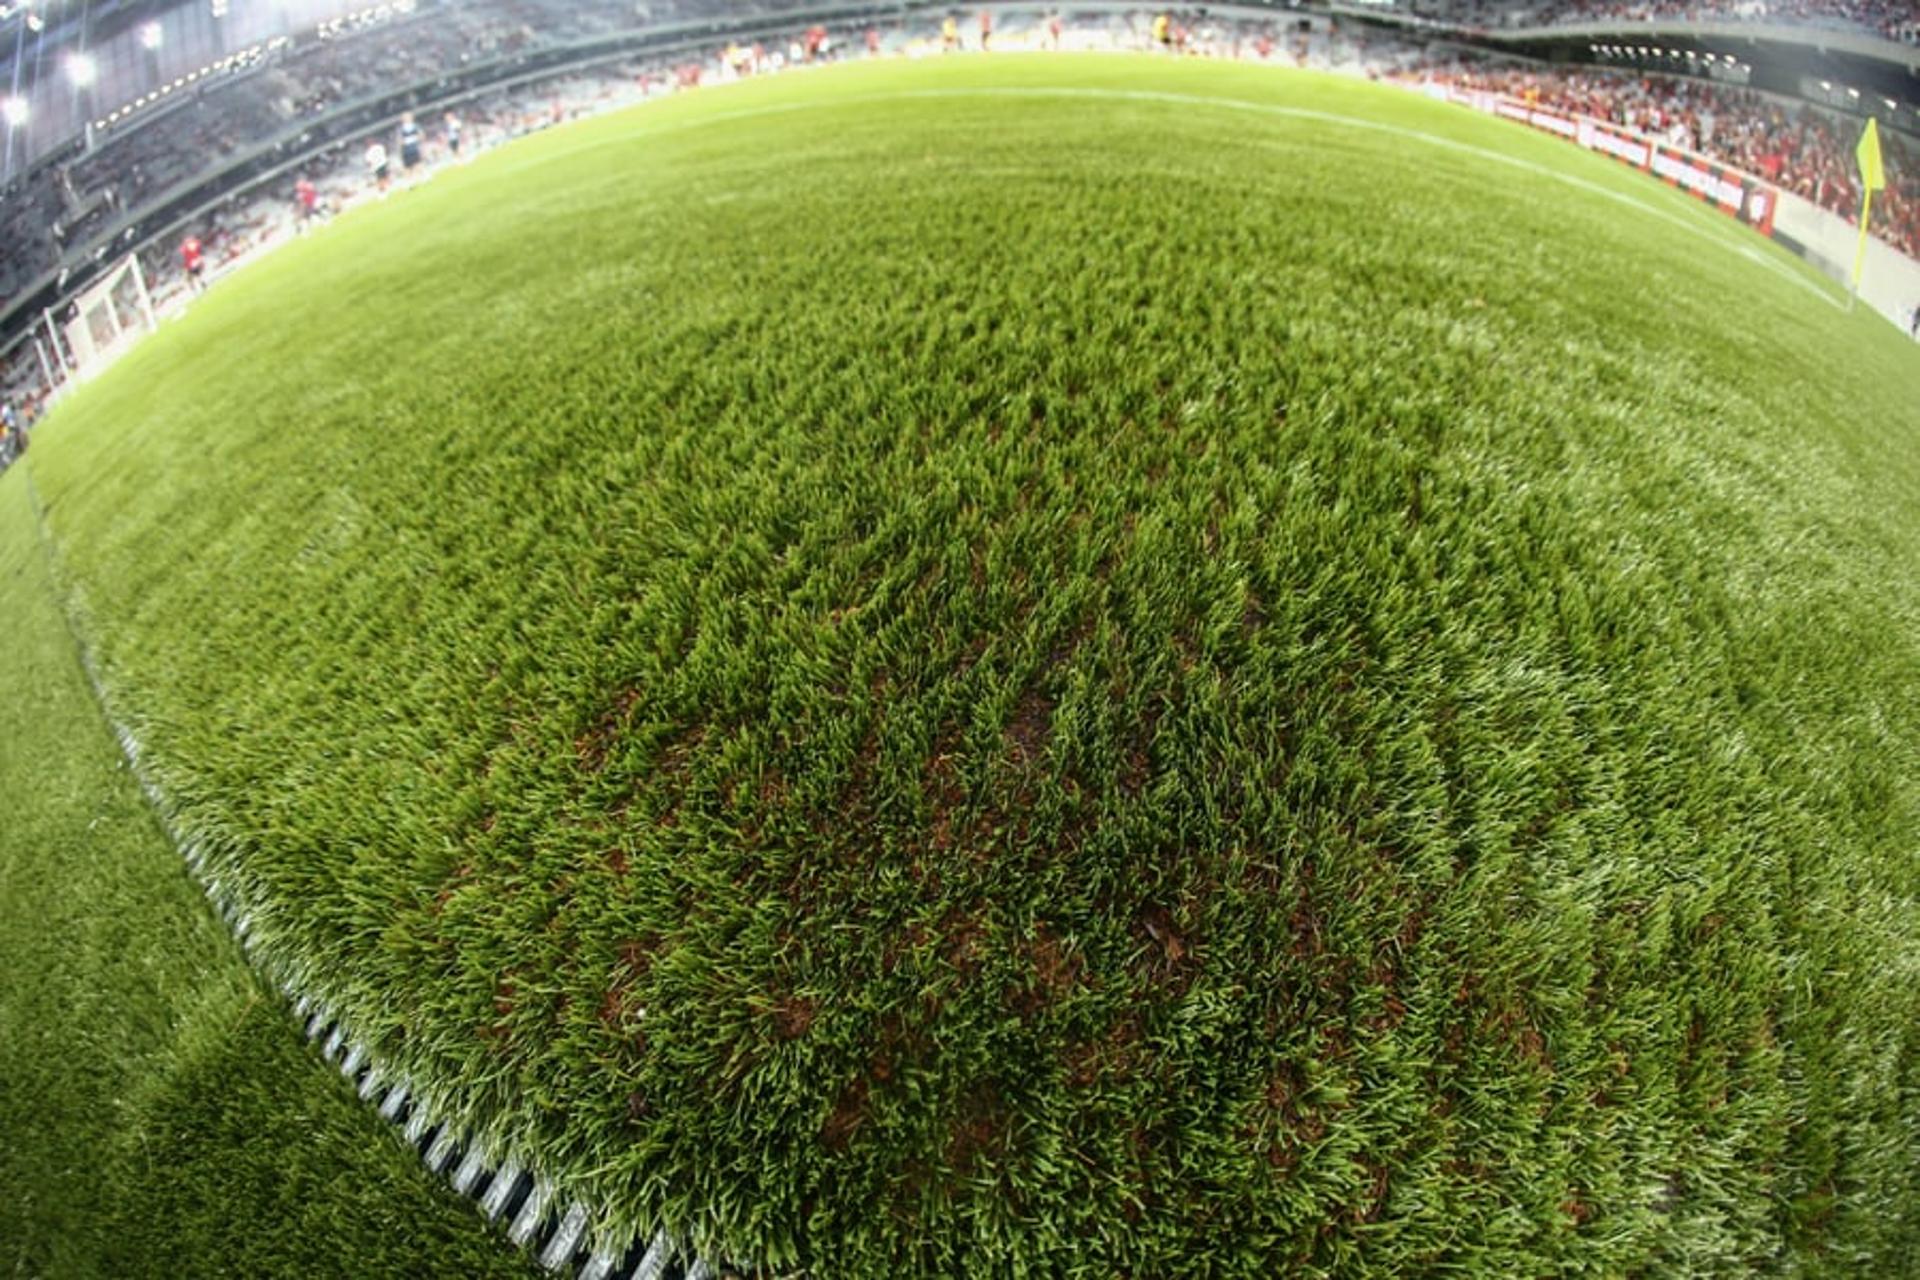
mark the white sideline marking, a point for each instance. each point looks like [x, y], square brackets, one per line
[470, 1169]
[390, 1107]
[565, 1240]
[658, 1255]
[496, 1198]
[1231, 104]
[527, 1221]
[442, 1149]
[417, 1124]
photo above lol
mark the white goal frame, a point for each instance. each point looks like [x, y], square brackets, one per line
[99, 332]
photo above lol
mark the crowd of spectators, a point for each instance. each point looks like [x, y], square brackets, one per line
[51, 212]
[1889, 19]
[1801, 148]
[227, 234]
[66, 206]
[1798, 147]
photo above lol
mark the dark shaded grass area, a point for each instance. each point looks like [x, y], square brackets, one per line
[1091, 684]
[159, 1115]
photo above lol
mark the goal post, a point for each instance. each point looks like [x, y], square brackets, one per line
[109, 316]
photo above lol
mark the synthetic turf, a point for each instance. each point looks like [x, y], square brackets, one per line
[908, 679]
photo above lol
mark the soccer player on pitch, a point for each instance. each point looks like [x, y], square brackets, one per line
[377, 165]
[986, 29]
[409, 142]
[949, 34]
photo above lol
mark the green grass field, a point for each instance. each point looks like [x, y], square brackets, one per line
[994, 667]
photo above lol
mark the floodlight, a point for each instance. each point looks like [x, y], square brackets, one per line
[17, 111]
[81, 69]
[152, 36]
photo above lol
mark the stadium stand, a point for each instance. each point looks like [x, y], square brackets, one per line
[304, 91]
[1888, 19]
[1799, 147]
[221, 158]
[1882, 19]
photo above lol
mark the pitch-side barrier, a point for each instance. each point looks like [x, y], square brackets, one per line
[1889, 282]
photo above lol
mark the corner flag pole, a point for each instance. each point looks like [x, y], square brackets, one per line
[1873, 176]
[1860, 252]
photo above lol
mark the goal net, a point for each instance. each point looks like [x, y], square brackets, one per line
[110, 316]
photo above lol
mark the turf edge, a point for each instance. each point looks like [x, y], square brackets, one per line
[557, 1234]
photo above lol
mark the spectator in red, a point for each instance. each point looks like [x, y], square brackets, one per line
[194, 260]
[1799, 148]
[306, 200]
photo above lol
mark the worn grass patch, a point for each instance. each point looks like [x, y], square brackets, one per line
[913, 673]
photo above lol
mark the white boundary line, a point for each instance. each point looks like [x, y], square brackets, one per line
[1338, 119]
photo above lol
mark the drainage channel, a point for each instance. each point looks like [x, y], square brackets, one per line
[557, 1233]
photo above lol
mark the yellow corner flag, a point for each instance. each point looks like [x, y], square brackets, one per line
[1873, 176]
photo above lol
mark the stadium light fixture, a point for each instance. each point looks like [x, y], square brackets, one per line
[1826, 86]
[17, 112]
[1854, 92]
[82, 69]
[152, 36]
